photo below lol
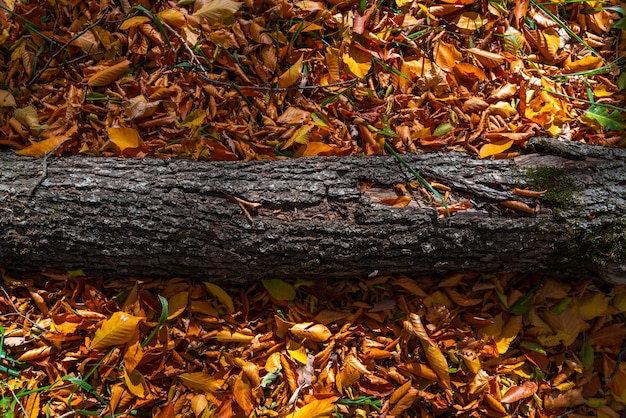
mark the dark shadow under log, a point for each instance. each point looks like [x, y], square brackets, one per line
[312, 217]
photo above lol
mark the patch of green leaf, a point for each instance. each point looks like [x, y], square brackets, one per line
[610, 121]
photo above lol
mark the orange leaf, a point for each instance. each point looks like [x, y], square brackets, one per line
[201, 381]
[314, 148]
[109, 75]
[226, 336]
[515, 393]
[313, 332]
[177, 304]
[117, 330]
[590, 62]
[446, 56]
[397, 202]
[242, 390]
[41, 148]
[319, 408]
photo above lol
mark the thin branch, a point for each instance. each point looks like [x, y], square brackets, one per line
[44, 173]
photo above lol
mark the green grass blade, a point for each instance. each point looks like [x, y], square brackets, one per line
[419, 178]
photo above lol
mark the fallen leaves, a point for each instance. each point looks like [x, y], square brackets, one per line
[227, 80]
[394, 344]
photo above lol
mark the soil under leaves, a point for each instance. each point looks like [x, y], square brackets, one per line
[464, 345]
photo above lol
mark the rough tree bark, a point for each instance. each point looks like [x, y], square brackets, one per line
[151, 217]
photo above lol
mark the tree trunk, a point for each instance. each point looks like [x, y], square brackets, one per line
[313, 217]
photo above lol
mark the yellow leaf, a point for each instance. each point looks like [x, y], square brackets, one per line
[279, 289]
[109, 74]
[226, 336]
[272, 364]
[619, 301]
[509, 333]
[319, 408]
[177, 304]
[222, 296]
[218, 10]
[124, 138]
[592, 305]
[117, 330]
[504, 109]
[488, 150]
[135, 383]
[414, 326]
[358, 62]
[297, 351]
[439, 364]
[242, 391]
[567, 324]
[313, 332]
[199, 403]
[291, 76]
[410, 285]
[201, 381]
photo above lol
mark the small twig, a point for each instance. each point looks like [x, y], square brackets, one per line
[64, 46]
[44, 172]
[18, 313]
[617, 364]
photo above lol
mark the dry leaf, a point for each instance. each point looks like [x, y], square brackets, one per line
[218, 10]
[119, 329]
[109, 74]
[313, 332]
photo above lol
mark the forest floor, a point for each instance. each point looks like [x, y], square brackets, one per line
[222, 80]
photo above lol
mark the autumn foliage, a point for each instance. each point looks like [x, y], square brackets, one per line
[465, 345]
[224, 80]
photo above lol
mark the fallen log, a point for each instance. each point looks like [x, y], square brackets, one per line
[316, 217]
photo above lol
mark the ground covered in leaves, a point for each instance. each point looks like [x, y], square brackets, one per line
[225, 80]
[467, 345]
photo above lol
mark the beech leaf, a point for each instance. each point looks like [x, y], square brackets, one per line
[319, 408]
[201, 381]
[117, 330]
[218, 10]
[279, 289]
[516, 393]
[291, 76]
[222, 296]
[313, 332]
[109, 74]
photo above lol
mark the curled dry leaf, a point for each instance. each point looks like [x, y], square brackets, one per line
[519, 206]
[528, 193]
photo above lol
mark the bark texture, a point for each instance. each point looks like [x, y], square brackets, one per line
[311, 217]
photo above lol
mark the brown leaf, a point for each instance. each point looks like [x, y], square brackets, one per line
[516, 393]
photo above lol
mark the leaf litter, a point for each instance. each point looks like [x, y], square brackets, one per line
[468, 345]
[227, 80]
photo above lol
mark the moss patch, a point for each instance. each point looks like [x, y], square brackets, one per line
[560, 187]
[608, 247]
